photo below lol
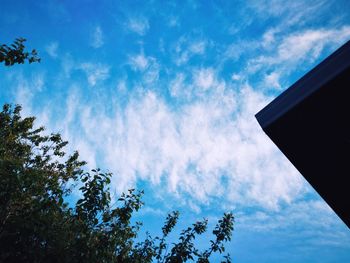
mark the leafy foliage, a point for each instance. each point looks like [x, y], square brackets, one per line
[37, 224]
[15, 53]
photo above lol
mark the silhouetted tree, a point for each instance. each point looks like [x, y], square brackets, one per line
[15, 53]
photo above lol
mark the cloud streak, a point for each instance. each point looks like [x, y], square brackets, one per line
[138, 25]
[298, 47]
[209, 148]
[95, 72]
[97, 39]
[52, 49]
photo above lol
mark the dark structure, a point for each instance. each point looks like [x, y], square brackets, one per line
[310, 123]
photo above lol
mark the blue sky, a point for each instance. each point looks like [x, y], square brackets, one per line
[164, 95]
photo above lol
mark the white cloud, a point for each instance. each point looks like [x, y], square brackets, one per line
[285, 53]
[25, 91]
[190, 150]
[67, 65]
[235, 76]
[304, 46]
[95, 72]
[290, 13]
[87, 152]
[51, 49]
[177, 85]
[138, 62]
[239, 48]
[185, 49]
[208, 147]
[138, 25]
[272, 80]
[121, 87]
[204, 78]
[97, 37]
[198, 47]
[293, 214]
[147, 65]
[304, 215]
[269, 38]
[173, 21]
[193, 149]
[152, 73]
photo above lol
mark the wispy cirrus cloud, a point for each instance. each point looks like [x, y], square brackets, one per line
[270, 59]
[173, 21]
[304, 223]
[210, 138]
[52, 49]
[138, 62]
[95, 72]
[272, 80]
[147, 65]
[185, 48]
[207, 148]
[290, 13]
[97, 38]
[177, 85]
[138, 25]
[204, 78]
[300, 46]
[309, 44]
[292, 216]
[192, 149]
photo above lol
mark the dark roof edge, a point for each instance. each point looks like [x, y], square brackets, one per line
[333, 65]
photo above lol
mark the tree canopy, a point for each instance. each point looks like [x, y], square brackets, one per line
[37, 224]
[16, 54]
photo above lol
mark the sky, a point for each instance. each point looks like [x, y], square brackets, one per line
[163, 95]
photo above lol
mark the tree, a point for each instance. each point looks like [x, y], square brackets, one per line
[15, 53]
[37, 224]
